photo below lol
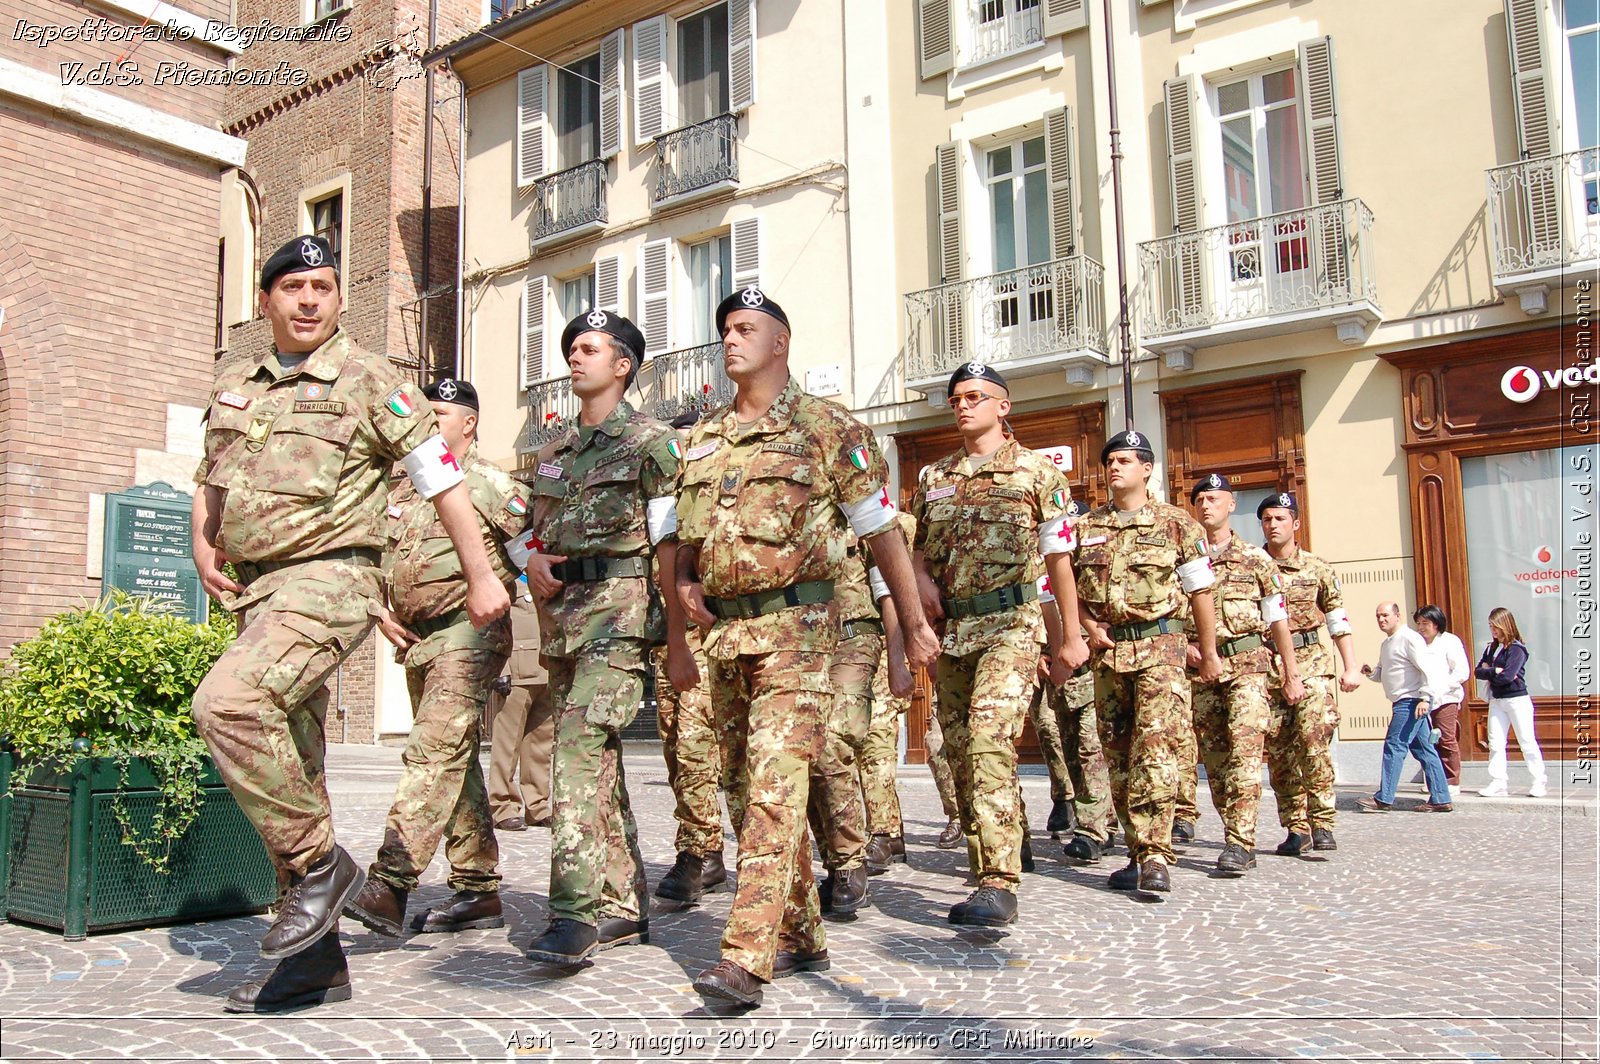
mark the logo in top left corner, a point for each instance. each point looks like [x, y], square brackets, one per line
[1519, 384]
[310, 253]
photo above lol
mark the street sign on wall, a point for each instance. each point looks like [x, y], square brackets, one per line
[148, 550]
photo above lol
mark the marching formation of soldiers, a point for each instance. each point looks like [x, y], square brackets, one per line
[754, 561]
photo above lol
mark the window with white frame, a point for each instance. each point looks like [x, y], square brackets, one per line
[702, 67]
[1263, 173]
[327, 221]
[1581, 26]
[1000, 27]
[577, 112]
[1016, 178]
[317, 10]
[569, 114]
[577, 296]
[710, 265]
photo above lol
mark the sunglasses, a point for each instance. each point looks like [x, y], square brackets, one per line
[966, 399]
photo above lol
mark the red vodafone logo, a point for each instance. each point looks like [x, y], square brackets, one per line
[1519, 384]
[1543, 556]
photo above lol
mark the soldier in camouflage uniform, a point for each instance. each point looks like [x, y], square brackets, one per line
[449, 666]
[880, 757]
[771, 486]
[1137, 560]
[1299, 760]
[1231, 715]
[1091, 783]
[299, 446]
[602, 507]
[984, 516]
[1048, 730]
[943, 781]
[688, 731]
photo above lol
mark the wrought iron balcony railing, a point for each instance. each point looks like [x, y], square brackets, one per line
[570, 200]
[1029, 317]
[995, 31]
[680, 381]
[697, 158]
[1294, 263]
[1544, 213]
[551, 406]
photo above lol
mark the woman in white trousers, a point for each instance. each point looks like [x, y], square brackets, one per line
[1503, 665]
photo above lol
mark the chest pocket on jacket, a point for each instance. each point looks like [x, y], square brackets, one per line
[1001, 527]
[1300, 596]
[1240, 600]
[304, 454]
[775, 498]
[610, 498]
[1150, 573]
[225, 441]
[1093, 570]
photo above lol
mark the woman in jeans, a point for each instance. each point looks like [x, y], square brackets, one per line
[1451, 659]
[1503, 664]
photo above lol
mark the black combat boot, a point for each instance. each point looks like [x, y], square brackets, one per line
[1126, 878]
[1063, 817]
[1027, 855]
[1235, 860]
[1084, 849]
[566, 943]
[616, 931]
[1294, 845]
[682, 883]
[1322, 839]
[986, 907]
[314, 976]
[1183, 831]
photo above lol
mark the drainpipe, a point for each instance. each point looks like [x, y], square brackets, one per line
[1125, 337]
[423, 368]
[461, 214]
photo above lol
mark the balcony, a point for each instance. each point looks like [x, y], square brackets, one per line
[1261, 277]
[551, 408]
[678, 382]
[697, 160]
[1544, 216]
[995, 29]
[570, 203]
[1023, 322]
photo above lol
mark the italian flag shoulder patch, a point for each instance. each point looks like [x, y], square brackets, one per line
[858, 456]
[516, 505]
[1059, 497]
[675, 449]
[399, 404]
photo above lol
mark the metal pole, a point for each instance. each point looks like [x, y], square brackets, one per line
[424, 363]
[1124, 335]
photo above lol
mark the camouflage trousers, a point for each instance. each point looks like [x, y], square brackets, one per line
[1299, 760]
[1144, 718]
[689, 745]
[770, 711]
[880, 757]
[261, 708]
[441, 794]
[1079, 728]
[1048, 731]
[1184, 808]
[596, 871]
[834, 809]
[983, 700]
[1230, 722]
[939, 764]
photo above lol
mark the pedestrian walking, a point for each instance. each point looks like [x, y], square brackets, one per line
[1504, 667]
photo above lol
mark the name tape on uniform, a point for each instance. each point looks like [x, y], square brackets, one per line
[554, 472]
[1092, 541]
[942, 493]
[233, 399]
[697, 453]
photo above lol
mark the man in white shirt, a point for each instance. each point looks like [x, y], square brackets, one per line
[1413, 683]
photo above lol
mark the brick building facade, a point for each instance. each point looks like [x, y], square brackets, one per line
[344, 155]
[108, 266]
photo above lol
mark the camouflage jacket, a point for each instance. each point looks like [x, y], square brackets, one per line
[1127, 572]
[978, 530]
[423, 570]
[590, 489]
[1245, 576]
[763, 508]
[1311, 591]
[302, 458]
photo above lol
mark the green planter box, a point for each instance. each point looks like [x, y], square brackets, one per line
[65, 865]
[5, 827]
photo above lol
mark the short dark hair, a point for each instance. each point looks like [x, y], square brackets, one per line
[1433, 615]
[620, 348]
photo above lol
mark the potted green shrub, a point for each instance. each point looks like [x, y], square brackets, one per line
[117, 816]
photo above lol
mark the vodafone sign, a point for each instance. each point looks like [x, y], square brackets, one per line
[1522, 384]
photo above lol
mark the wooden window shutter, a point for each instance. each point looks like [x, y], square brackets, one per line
[1538, 123]
[655, 295]
[746, 237]
[741, 55]
[947, 181]
[1179, 94]
[534, 344]
[1064, 16]
[1323, 165]
[533, 94]
[936, 40]
[649, 79]
[611, 50]
[608, 284]
[1058, 151]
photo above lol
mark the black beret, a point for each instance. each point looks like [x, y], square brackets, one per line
[451, 390]
[751, 298]
[1282, 501]
[610, 324]
[1130, 440]
[1210, 482]
[301, 253]
[975, 371]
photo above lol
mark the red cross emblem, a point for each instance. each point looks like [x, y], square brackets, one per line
[883, 500]
[450, 460]
[1064, 533]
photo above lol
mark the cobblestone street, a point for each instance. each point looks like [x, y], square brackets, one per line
[1463, 937]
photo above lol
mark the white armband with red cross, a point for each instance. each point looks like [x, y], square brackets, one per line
[522, 548]
[1196, 575]
[432, 468]
[1057, 537]
[1045, 592]
[1338, 622]
[880, 586]
[1272, 610]
[661, 517]
[870, 515]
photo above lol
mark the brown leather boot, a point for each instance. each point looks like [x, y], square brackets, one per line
[379, 906]
[467, 910]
